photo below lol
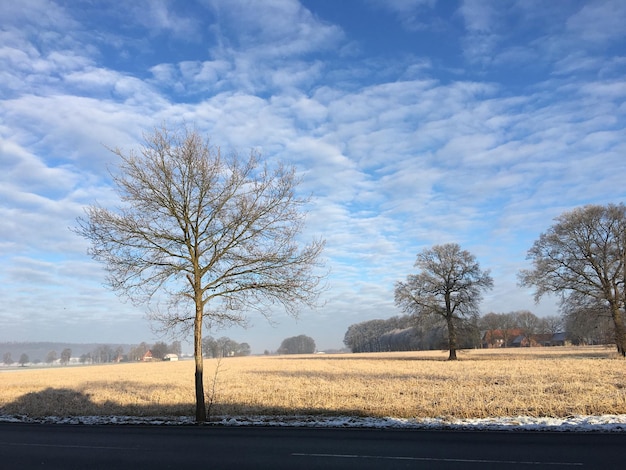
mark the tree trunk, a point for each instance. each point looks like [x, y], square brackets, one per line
[620, 330]
[619, 320]
[451, 340]
[197, 353]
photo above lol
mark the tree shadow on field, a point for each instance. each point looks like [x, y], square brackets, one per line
[68, 403]
[65, 402]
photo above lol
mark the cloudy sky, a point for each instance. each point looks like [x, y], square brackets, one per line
[412, 122]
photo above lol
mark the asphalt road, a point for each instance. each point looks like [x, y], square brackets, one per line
[110, 447]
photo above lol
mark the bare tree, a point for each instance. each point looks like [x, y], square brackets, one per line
[587, 321]
[509, 325]
[553, 324]
[529, 323]
[66, 355]
[491, 323]
[159, 350]
[449, 285]
[51, 357]
[7, 359]
[215, 235]
[584, 254]
[500, 327]
[24, 359]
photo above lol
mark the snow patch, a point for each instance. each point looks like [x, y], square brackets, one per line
[604, 423]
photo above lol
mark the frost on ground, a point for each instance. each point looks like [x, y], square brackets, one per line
[604, 423]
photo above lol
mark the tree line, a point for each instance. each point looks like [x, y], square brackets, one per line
[408, 333]
[492, 330]
[51, 357]
[7, 359]
[224, 347]
[101, 354]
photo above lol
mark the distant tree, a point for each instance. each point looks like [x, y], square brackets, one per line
[210, 347]
[553, 324]
[509, 325]
[366, 336]
[529, 323]
[584, 255]
[505, 325]
[51, 357]
[469, 333]
[226, 347]
[86, 358]
[243, 350]
[103, 354]
[217, 235]
[491, 323]
[66, 354]
[301, 344]
[7, 359]
[405, 339]
[175, 348]
[119, 354]
[449, 285]
[159, 350]
[23, 359]
[404, 333]
[587, 321]
[137, 353]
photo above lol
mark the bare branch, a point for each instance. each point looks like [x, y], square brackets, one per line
[449, 285]
[582, 257]
[215, 234]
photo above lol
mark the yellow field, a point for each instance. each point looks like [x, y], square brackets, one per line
[539, 382]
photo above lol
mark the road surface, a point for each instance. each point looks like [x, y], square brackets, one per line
[113, 447]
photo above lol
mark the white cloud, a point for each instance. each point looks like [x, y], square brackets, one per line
[599, 22]
[397, 154]
[276, 28]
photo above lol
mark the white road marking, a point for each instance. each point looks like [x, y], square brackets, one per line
[64, 446]
[433, 459]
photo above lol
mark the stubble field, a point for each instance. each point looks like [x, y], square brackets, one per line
[536, 382]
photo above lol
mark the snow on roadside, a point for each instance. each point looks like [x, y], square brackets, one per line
[604, 423]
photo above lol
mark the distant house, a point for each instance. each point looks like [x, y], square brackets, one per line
[547, 339]
[515, 338]
[500, 338]
[520, 341]
[147, 356]
[170, 357]
[558, 339]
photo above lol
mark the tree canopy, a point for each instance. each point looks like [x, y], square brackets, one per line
[449, 284]
[214, 234]
[300, 344]
[582, 258]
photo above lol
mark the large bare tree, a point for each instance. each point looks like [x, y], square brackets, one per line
[214, 235]
[582, 257]
[449, 285]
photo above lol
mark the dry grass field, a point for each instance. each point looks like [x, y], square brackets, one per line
[538, 382]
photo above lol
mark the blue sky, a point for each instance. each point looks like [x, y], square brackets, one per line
[412, 122]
